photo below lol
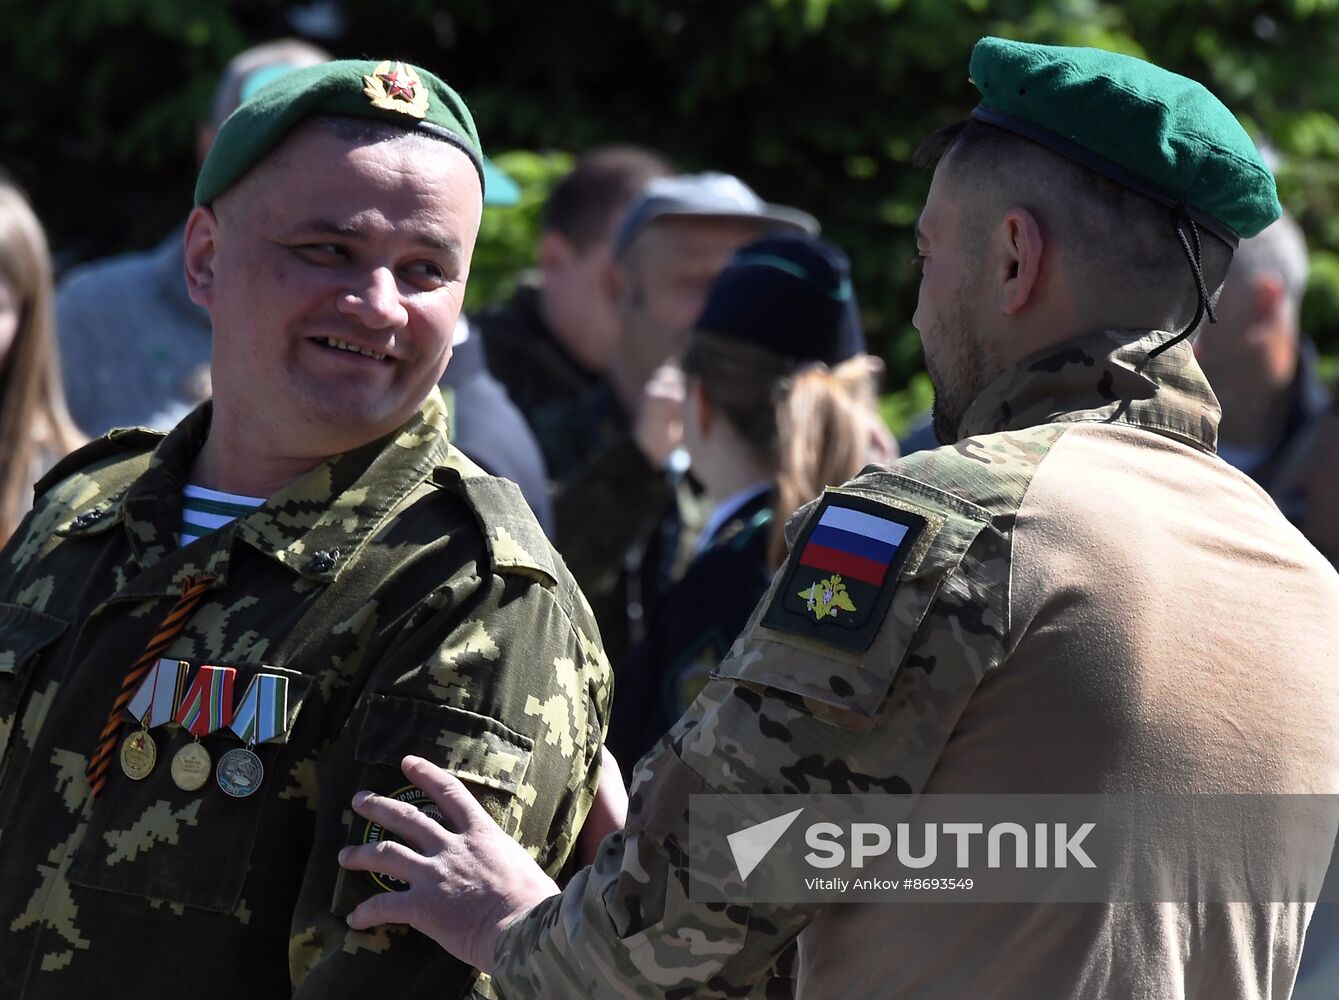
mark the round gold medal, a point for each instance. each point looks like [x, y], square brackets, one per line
[190, 767]
[138, 755]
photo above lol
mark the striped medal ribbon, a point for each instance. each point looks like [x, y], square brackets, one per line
[193, 590]
[154, 704]
[206, 708]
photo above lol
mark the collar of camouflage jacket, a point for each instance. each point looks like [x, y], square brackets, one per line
[314, 526]
[1106, 377]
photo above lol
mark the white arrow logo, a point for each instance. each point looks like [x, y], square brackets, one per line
[750, 845]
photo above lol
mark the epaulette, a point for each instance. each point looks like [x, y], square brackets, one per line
[114, 444]
[516, 543]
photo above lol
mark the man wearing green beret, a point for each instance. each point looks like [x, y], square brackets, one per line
[210, 639]
[1073, 596]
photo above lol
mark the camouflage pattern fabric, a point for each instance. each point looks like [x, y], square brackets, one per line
[547, 384]
[607, 498]
[415, 607]
[783, 713]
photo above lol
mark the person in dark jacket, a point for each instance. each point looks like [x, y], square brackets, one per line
[780, 403]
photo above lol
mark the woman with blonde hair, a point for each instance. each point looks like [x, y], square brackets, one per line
[35, 427]
[781, 402]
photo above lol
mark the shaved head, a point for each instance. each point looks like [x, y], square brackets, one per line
[1116, 243]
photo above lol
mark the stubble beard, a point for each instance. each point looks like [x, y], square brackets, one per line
[960, 374]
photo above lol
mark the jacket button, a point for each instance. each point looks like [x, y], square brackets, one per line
[322, 561]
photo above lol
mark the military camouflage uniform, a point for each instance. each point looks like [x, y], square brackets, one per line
[607, 498]
[543, 379]
[414, 606]
[786, 713]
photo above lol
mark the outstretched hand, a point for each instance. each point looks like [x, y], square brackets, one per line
[467, 878]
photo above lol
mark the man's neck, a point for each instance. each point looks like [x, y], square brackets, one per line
[572, 344]
[226, 464]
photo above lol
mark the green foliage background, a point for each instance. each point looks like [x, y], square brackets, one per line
[817, 103]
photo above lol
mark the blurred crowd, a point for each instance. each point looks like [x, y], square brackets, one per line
[682, 367]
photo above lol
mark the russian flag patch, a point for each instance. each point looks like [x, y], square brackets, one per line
[840, 578]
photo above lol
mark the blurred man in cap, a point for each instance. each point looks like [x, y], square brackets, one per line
[617, 524]
[1075, 597]
[551, 341]
[213, 637]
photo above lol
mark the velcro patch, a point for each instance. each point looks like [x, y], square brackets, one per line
[843, 571]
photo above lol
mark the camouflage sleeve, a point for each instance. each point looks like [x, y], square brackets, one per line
[497, 677]
[785, 712]
[608, 507]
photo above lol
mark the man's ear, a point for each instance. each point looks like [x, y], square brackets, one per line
[1267, 296]
[554, 252]
[1019, 237]
[201, 247]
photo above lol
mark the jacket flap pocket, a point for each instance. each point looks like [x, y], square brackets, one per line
[24, 632]
[473, 747]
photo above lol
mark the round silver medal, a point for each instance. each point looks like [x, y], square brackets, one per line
[240, 772]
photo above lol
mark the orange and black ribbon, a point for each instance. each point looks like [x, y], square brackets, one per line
[192, 590]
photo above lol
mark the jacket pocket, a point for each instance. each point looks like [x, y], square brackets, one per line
[24, 634]
[488, 756]
[151, 839]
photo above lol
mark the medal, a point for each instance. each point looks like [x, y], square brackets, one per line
[261, 715]
[206, 707]
[153, 704]
[138, 755]
[190, 767]
[240, 772]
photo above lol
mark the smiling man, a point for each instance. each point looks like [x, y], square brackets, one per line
[210, 639]
[1074, 596]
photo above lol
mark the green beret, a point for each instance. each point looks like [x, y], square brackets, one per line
[387, 91]
[1161, 134]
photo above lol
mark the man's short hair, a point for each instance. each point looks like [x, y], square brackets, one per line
[1116, 236]
[1280, 248]
[290, 52]
[582, 205]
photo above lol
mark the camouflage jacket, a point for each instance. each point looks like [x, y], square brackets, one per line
[414, 606]
[544, 380]
[873, 707]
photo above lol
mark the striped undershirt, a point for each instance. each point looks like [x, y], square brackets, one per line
[203, 511]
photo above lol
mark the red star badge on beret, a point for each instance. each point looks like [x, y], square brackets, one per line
[397, 88]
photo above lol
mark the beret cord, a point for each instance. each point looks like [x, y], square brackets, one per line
[1193, 252]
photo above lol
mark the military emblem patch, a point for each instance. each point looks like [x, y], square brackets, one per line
[397, 88]
[375, 832]
[841, 575]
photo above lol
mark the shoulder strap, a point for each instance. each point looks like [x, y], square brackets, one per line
[516, 543]
[115, 444]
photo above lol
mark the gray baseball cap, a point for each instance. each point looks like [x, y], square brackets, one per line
[708, 196]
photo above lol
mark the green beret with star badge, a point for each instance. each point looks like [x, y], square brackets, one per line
[1154, 131]
[394, 92]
